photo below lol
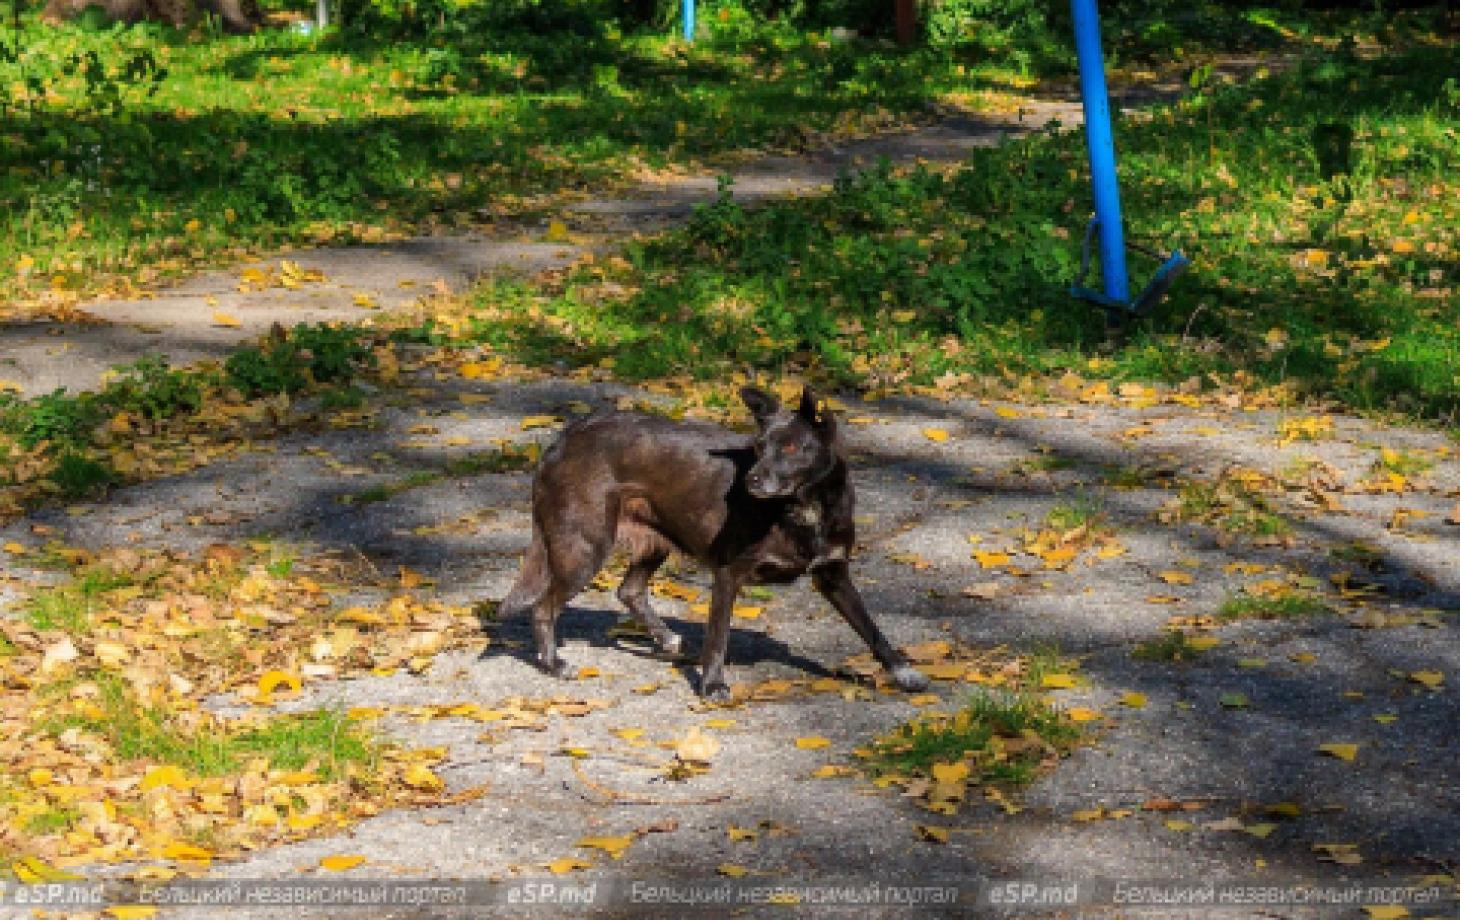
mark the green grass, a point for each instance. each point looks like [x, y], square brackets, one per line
[1402, 462]
[505, 458]
[51, 821]
[1172, 645]
[1333, 283]
[58, 441]
[1084, 510]
[388, 490]
[68, 607]
[970, 732]
[252, 142]
[1273, 607]
[138, 732]
[1231, 505]
[170, 151]
[1045, 463]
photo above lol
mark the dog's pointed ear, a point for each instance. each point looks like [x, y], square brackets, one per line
[761, 404]
[815, 411]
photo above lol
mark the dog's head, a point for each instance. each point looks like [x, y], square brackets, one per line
[794, 450]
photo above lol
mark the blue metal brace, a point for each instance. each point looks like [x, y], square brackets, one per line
[1171, 268]
[687, 19]
[1107, 221]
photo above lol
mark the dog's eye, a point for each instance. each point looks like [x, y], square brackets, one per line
[790, 448]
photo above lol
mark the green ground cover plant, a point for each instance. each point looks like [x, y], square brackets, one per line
[157, 154]
[132, 153]
[1332, 278]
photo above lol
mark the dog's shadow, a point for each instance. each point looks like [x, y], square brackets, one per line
[604, 628]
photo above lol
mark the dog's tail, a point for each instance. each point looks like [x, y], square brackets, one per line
[532, 582]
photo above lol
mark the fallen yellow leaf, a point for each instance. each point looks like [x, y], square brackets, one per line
[420, 776]
[273, 680]
[937, 435]
[696, 747]
[613, 846]
[1343, 751]
[170, 776]
[812, 742]
[225, 319]
[1430, 679]
[950, 772]
[340, 863]
[186, 852]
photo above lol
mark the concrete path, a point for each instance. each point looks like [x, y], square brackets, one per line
[925, 506]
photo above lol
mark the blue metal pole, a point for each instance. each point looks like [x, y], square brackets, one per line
[1102, 149]
[687, 18]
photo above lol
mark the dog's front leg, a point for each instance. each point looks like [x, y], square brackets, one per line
[717, 636]
[834, 581]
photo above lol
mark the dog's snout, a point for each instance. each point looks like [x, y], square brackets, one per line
[759, 485]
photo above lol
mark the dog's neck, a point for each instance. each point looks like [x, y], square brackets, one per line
[808, 507]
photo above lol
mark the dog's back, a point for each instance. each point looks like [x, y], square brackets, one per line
[643, 481]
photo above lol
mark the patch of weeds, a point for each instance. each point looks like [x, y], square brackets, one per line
[1276, 606]
[69, 606]
[59, 608]
[281, 563]
[7, 648]
[1172, 645]
[1307, 428]
[389, 490]
[1043, 659]
[1044, 463]
[156, 391]
[1359, 553]
[327, 738]
[1402, 462]
[345, 397]
[1298, 468]
[77, 476]
[1004, 737]
[506, 458]
[1233, 504]
[51, 821]
[1084, 510]
[306, 356]
[51, 418]
[1125, 477]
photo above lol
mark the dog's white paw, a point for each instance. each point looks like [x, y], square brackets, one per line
[909, 678]
[719, 694]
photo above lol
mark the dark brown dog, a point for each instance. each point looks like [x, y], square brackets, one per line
[756, 511]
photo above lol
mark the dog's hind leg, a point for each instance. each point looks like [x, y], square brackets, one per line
[634, 592]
